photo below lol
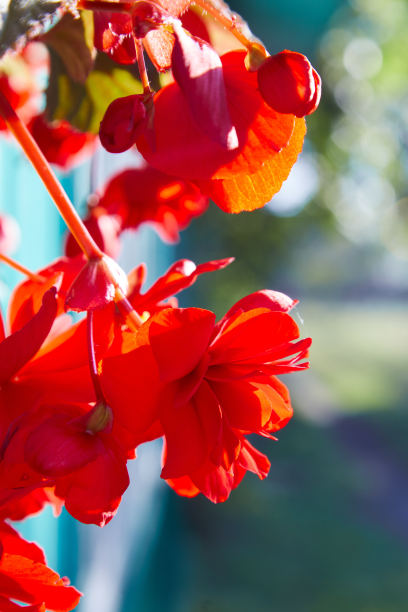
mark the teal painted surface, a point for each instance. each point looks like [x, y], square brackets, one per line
[23, 196]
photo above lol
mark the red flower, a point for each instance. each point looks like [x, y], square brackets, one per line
[69, 447]
[243, 178]
[25, 577]
[165, 202]
[116, 33]
[213, 385]
[61, 144]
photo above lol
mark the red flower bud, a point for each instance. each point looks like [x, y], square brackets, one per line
[289, 84]
[123, 122]
[96, 285]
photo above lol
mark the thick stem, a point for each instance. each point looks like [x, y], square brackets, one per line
[227, 22]
[56, 191]
[16, 266]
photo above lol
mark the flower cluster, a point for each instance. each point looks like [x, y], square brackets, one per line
[78, 396]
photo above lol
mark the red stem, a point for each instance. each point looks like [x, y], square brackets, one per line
[56, 191]
[142, 67]
[93, 368]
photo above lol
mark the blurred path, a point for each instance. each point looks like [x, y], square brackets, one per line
[383, 494]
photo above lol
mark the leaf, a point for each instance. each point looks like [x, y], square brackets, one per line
[21, 20]
[84, 104]
[72, 40]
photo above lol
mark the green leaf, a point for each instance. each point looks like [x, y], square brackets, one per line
[21, 20]
[84, 104]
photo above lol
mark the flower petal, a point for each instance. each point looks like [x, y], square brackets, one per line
[179, 338]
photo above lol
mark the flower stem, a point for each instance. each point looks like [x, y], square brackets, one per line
[20, 268]
[92, 359]
[133, 320]
[226, 21]
[142, 66]
[55, 189]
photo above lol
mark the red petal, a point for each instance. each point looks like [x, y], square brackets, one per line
[179, 276]
[246, 409]
[113, 34]
[130, 385]
[26, 299]
[216, 483]
[179, 339]
[168, 203]
[93, 493]
[183, 486]
[254, 461]
[252, 333]
[266, 298]
[12, 542]
[197, 69]
[21, 346]
[33, 582]
[254, 190]
[193, 23]
[185, 439]
[61, 144]
[57, 447]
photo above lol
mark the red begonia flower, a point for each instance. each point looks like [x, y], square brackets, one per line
[214, 384]
[61, 144]
[25, 577]
[59, 446]
[169, 204]
[289, 84]
[269, 142]
[115, 33]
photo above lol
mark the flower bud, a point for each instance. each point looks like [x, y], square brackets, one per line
[123, 122]
[289, 84]
[96, 285]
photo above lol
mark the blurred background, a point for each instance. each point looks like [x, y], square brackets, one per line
[328, 529]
